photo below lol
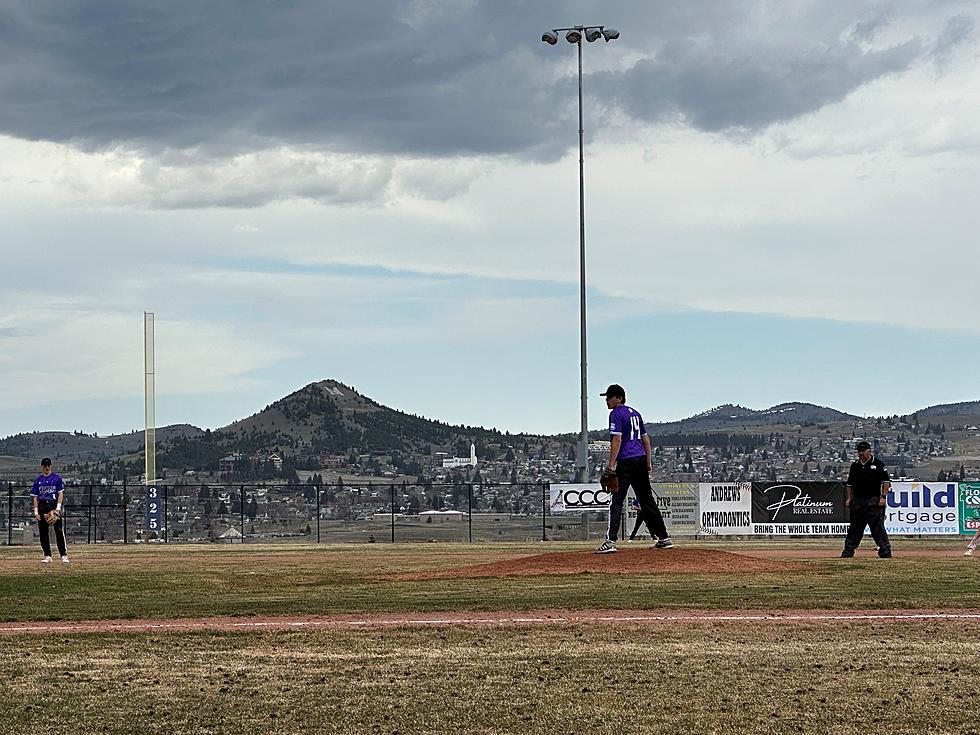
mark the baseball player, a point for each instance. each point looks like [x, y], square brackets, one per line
[630, 457]
[49, 494]
[972, 546]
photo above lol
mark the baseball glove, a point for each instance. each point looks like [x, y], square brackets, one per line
[52, 516]
[609, 481]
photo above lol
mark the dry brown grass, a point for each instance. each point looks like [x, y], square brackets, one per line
[696, 678]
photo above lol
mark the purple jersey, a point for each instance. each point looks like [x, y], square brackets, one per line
[628, 423]
[47, 488]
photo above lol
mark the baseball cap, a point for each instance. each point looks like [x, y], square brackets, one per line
[615, 390]
[862, 445]
[46, 462]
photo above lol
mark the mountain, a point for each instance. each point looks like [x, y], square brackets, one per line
[728, 417]
[323, 418]
[330, 418]
[76, 446]
[967, 408]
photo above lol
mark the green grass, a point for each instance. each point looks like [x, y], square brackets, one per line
[690, 679]
[200, 581]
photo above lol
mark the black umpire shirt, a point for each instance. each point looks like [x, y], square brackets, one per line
[866, 479]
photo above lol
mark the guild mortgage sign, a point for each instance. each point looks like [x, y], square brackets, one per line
[923, 507]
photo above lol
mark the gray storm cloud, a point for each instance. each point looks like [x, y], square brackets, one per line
[423, 78]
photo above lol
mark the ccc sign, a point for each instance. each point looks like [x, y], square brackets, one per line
[585, 498]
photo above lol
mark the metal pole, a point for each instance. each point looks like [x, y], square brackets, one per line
[125, 503]
[89, 514]
[317, 514]
[470, 514]
[545, 487]
[241, 510]
[584, 438]
[10, 514]
[392, 513]
[166, 515]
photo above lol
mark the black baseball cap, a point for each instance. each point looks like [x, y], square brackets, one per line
[46, 462]
[862, 445]
[615, 391]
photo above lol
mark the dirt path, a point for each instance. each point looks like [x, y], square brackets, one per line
[507, 618]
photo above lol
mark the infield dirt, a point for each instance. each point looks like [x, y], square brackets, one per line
[625, 561]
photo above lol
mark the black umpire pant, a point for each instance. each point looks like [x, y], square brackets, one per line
[632, 472]
[43, 506]
[867, 512]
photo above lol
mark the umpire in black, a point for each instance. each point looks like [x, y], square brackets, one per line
[868, 484]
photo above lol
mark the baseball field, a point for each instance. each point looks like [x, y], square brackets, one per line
[735, 637]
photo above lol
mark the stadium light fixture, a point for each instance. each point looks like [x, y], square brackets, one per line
[574, 35]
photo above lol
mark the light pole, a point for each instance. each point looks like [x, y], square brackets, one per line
[574, 35]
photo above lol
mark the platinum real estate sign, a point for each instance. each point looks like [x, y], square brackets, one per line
[799, 509]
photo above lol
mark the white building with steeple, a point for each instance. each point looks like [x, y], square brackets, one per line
[462, 461]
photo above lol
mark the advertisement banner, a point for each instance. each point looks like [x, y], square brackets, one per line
[575, 498]
[678, 503]
[969, 497]
[725, 508]
[799, 509]
[923, 507]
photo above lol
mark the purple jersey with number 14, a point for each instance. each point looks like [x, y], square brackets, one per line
[628, 423]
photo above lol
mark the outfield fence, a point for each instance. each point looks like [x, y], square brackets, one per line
[470, 512]
[252, 513]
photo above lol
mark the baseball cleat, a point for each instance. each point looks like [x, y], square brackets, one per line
[64, 559]
[664, 543]
[46, 560]
[968, 552]
[607, 547]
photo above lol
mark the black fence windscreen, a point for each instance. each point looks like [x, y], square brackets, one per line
[334, 513]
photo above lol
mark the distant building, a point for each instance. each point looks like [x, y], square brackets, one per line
[231, 536]
[462, 461]
[229, 463]
[441, 516]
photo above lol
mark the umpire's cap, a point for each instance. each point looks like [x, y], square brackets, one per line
[862, 445]
[614, 391]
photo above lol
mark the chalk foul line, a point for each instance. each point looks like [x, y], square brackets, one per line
[462, 619]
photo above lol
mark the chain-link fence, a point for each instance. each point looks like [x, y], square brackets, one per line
[333, 513]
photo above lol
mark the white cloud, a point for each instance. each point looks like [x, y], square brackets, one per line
[63, 354]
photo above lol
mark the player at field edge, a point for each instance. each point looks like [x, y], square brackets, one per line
[631, 458]
[972, 546]
[868, 485]
[48, 492]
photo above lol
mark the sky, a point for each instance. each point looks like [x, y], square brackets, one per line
[780, 201]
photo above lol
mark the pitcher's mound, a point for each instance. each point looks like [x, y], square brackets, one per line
[625, 561]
